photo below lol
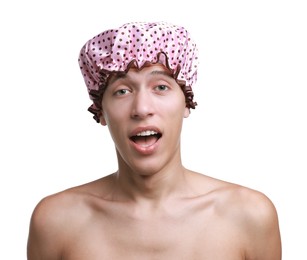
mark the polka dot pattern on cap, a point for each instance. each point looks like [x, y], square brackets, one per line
[138, 43]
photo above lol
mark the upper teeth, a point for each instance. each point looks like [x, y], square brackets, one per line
[146, 133]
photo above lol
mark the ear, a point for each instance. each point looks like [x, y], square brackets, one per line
[102, 119]
[186, 112]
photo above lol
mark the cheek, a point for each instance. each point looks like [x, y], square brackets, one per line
[114, 115]
[115, 123]
[177, 107]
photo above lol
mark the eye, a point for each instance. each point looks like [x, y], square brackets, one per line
[162, 88]
[121, 92]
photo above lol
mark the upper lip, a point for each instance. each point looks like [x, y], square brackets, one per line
[142, 130]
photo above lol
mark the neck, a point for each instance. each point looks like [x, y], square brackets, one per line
[153, 187]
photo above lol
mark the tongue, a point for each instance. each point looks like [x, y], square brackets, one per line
[145, 140]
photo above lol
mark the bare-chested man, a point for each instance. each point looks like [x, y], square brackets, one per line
[139, 78]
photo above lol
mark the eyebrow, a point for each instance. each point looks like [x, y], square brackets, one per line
[161, 72]
[122, 75]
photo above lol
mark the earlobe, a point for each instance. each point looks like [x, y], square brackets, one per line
[186, 112]
[102, 119]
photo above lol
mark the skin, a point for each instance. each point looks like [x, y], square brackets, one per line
[153, 207]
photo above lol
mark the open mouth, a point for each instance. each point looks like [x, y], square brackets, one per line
[146, 138]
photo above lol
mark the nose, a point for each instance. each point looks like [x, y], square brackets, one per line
[143, 105]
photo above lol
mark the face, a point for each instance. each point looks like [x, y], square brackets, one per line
[144, 110]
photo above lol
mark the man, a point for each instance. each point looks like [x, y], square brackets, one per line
[139, 78]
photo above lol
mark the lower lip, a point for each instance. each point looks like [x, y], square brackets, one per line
[145, 150]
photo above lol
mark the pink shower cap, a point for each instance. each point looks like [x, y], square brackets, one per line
[138, 44]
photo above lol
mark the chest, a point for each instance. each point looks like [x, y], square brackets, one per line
[156, 238]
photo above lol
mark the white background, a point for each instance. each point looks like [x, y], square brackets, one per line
[249, 127]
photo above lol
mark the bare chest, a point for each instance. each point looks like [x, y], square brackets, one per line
[163, 238]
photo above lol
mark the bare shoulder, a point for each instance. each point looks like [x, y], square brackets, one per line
[57, 217]
[249, 212]
[252, 204]
[236, 200]
[252, 208]
[256, 215]
[44, 240]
